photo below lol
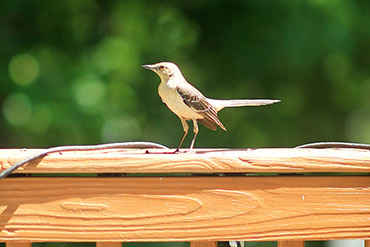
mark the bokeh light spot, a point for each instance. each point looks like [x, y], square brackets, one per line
[23, 69]
[365, 92]
[120, 129]
[358, 126]
[89, 92]
[41, 119]
[184, 33]
[337, 66]
[116, 54]
[17, 109]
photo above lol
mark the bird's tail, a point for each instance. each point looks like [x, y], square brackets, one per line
[219, 104]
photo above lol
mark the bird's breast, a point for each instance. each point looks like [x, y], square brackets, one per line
[175, 103]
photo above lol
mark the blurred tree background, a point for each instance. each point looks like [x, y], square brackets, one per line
[70, 71]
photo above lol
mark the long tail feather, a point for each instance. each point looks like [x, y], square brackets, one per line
[220, 104]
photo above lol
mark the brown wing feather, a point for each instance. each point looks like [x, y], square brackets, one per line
[198, 103]
[208, 123]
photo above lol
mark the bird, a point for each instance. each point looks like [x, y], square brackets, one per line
[189, 104]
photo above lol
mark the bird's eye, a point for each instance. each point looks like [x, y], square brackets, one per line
[161, 68]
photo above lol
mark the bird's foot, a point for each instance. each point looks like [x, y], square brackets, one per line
[189, 151]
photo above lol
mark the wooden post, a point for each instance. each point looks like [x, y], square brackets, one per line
[290, 243]
[163, 208]
[278, 160]
[18, 244]
[203, 244]
[108, 244]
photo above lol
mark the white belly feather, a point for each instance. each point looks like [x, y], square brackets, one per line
[174, 102]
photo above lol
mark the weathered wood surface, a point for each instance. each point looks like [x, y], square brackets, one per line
[184, 208]
[291, 244]
[18, 244]
[203, 244]
[108, 244]
[201, 161]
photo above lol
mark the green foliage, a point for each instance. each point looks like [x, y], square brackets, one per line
[71, 70]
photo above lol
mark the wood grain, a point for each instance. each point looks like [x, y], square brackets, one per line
[108, 244]
[184, 208]
[203, 244]
[201, 161]
[290, 243]
[18, 244]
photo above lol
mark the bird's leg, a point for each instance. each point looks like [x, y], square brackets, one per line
[196, 130]
[185, 126]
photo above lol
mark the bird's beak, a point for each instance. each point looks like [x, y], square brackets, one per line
[149, 66]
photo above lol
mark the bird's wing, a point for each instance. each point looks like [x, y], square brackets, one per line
[198, 103]
[208, 123]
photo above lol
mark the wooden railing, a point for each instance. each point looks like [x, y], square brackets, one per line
[284, 195]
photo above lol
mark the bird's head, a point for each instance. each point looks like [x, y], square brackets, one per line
[164, 70]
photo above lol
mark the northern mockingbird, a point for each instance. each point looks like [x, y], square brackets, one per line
[188, 103]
